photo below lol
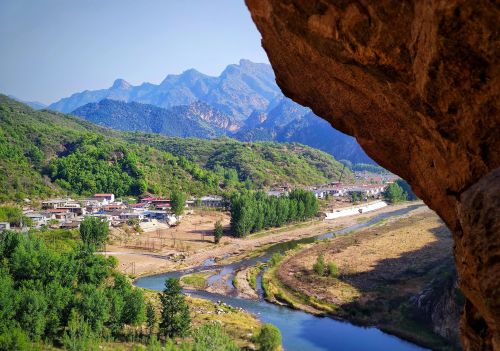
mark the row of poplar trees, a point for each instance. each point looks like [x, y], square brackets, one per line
[254, 211]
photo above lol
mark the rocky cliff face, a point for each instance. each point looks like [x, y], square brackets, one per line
[418, 84]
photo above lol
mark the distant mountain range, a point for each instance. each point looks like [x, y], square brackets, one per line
[244, 102]
[33, 104]
[195, 120]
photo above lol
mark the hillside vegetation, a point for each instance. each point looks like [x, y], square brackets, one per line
[265, 163]
[45, 153]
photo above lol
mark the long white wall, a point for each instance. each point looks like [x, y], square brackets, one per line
[355, 210]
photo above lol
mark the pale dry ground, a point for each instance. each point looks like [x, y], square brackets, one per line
[396, 253]
[244, 289]
[154, 252]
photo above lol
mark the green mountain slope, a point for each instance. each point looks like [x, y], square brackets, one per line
[45, 153]
[266, 163]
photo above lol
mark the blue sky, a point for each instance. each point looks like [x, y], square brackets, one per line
[53, 48]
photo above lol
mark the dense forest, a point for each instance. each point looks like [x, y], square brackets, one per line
[44, 153]
[254, 211]
[50, 295]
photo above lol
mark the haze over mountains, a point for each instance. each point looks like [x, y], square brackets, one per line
[244, 102]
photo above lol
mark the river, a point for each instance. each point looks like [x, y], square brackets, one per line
[300, 331]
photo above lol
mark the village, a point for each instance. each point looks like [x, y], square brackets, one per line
[149, 211]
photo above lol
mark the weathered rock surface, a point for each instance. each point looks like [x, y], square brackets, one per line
[440, 304]
[418, 84]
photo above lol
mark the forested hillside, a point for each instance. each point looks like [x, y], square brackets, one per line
[266, 163]
[45, 153]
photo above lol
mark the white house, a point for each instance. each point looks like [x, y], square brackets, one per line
[212, 201]
[38, 219]
[104, 198]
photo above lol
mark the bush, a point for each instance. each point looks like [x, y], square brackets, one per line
[212, 337]
[320, 267]
[275, 259]
[269, 338]
[333, 270]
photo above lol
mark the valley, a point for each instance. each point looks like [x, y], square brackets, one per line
[225, 277]
[162, 197]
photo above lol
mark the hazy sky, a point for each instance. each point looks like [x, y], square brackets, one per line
[52, 48]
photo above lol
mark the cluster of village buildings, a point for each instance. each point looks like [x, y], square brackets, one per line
[68, 213]
[364, 191]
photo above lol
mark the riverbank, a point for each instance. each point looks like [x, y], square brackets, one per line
[379, 269]
[191, 244]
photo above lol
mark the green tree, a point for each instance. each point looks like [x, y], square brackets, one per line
[94, 231]
[407, 189]
[14, 339]
[211, 336]
[79, 336]
[151, 319]
[218, 231]
[13, 215]
[320, 267]
[394, 193]
[269, 338]
[175, 319]
[134, 311]
[178, 202]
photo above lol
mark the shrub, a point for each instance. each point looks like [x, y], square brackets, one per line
[333, 270]
[269, 338]
[320, 267]
[275, 259]
[212, 337]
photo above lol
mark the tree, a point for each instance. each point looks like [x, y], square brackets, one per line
[218, 231]
[320, 267]
[151, 318]
[394, 193]
[134, 308]
[174, 320]
[211, 336]
[178, 202]
[269, 338]
[79, 336]
[94, 231]
[407, 189]
[14, 339]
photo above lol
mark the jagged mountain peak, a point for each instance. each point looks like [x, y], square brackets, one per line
[121, 84]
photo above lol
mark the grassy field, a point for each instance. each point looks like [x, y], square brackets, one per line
[195, 280]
